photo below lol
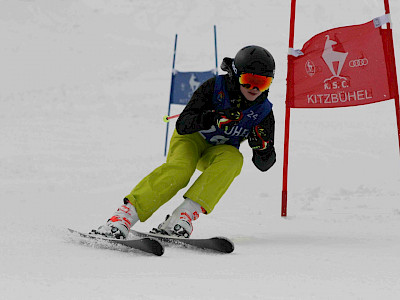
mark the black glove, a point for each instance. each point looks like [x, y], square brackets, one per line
[258, 139]
[228, 118]
[264, 159]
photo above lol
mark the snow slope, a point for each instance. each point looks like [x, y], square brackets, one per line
[84, 86]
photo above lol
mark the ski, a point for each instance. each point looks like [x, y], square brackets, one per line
[145, 244]
[218, 244]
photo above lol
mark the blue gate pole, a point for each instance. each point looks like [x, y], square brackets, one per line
[216, 53]
[170, 95]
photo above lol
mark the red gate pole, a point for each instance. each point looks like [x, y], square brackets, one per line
[289, 93]
[393, 74]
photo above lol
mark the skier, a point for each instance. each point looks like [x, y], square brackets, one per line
[223, 112]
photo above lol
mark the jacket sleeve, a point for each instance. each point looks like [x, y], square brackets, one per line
[199, 112]
[265, 159]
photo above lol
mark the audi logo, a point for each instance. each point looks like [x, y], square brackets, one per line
[358, 62]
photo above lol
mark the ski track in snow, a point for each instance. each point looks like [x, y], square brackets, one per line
[84, 86]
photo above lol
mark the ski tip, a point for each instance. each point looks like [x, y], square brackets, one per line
[156, 246]
[74, 231]
[146, 244]
[225, 245]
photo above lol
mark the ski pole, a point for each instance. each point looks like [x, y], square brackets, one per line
[167, 118]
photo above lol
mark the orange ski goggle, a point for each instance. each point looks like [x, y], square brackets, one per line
[251, 81]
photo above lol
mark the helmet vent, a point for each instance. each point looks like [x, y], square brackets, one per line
[267, 53]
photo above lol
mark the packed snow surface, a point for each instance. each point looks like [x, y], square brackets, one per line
[84, 87]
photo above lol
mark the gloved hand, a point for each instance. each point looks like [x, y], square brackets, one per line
[258, 138]
[228, 118]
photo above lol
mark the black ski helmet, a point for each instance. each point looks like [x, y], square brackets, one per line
[255, 60]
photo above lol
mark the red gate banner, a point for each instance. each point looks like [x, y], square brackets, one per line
[343, 66]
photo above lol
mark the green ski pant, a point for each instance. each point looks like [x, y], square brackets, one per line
[219, 166]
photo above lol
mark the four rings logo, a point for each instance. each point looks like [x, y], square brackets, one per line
[358, 62]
